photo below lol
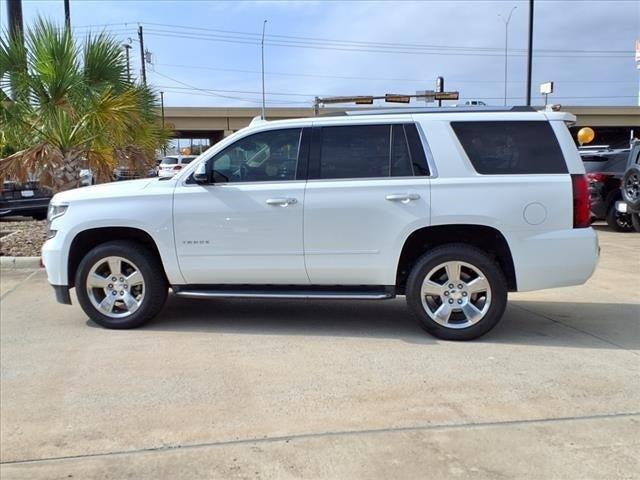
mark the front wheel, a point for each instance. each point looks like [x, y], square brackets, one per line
[120, 284]
[457, 292]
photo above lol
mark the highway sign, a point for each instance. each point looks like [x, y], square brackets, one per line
[395, 98]
[447, 95]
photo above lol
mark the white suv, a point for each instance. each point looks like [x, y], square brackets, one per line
[171, 165]
[452, 209]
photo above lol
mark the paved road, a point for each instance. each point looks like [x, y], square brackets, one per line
[281, 389]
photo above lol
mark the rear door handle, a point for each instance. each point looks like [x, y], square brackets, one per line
[281, 202]
[402, 197]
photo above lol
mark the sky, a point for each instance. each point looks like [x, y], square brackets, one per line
[207, 53]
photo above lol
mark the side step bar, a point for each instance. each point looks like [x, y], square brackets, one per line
[381, 293]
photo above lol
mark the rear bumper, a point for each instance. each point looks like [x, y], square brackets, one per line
[555, 259]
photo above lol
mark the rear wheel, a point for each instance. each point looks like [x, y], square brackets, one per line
[120, 284]
[618, 221]
[631, 186]
[457, 292]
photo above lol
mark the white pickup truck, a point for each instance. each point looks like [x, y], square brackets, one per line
[451, 208]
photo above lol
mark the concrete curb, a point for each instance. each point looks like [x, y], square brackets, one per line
[15, 263]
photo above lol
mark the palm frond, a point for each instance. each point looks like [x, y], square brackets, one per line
[104, 62]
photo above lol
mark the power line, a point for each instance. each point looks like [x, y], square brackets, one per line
[343, 77]
[214, 90]
[256, 101]
[351, 45]
[328, 41]
[234, 40]
[210, 91]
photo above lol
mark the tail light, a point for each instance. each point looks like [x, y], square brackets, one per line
[597, 177]
[581, 202]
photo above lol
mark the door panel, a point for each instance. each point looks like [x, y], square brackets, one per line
[354, 235]
[246, 228]
[240, 233]
[354, 228]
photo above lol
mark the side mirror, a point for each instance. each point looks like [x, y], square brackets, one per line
[202, 174]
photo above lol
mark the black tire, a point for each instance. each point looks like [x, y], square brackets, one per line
[472, 256]
[152, 273]
[620, 222]
[635, 220]
[631, 187]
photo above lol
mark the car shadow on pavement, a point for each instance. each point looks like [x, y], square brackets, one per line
[580, 325]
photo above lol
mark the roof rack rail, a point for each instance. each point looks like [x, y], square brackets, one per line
[465, 109]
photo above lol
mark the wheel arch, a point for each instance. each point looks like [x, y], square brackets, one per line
[486, 238]
[88, 239]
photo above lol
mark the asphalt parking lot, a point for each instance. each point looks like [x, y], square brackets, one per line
[282, 389]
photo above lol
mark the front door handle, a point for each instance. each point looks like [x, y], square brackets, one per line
[281, 202]
[402, 197]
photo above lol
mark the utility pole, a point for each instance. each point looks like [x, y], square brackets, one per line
[506, 44]
[164, 149]
[14, 10]
[16, 35]
[142, 59]
[530, 53]
[162, 106]
[264, 24]
[440, 87]
[316, 106]
[67, 14]
[127, 47]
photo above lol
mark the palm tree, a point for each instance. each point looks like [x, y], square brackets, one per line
[65, 106]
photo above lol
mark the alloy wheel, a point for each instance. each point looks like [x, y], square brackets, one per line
[456, 294]
[115, 287]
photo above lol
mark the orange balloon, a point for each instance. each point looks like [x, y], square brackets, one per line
[586, 135]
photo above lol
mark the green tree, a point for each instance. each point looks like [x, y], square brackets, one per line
[66, 106]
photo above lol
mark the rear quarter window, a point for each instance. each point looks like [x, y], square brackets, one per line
[516, 147]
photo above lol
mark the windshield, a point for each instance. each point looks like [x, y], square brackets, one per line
[169, 161]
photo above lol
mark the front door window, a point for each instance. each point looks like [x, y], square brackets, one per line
[264, 157]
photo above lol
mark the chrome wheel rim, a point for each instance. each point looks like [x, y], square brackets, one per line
[456, 294]
[115, 287]
[633, 187]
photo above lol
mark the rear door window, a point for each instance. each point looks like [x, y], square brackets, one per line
[359, 151]
[371, 151]
[516, 147]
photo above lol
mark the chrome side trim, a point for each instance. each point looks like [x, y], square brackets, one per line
[262, 294]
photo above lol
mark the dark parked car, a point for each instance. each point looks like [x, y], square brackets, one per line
[28, 199]
[605, 169]
[630, 188]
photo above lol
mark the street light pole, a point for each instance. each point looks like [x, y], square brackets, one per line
[264, 24]
[506, 46]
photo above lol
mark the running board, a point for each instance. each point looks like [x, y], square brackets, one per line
[380, 293]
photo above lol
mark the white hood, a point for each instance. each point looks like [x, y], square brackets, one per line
[105, 190]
